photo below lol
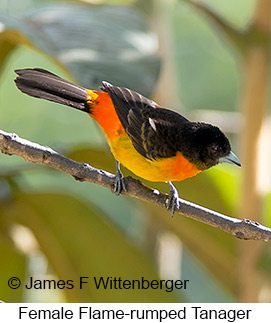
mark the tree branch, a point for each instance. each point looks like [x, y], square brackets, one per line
[233, 34]
[11, 144]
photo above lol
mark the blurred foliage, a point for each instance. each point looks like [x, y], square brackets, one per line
[63, 226]
[110, 41]
[203, 65]
[83, 229]
[13, 264]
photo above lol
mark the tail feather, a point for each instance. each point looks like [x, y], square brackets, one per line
[42, 84]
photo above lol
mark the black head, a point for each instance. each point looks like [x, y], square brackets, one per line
[206, 145]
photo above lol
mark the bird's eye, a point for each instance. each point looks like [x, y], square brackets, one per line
[213, 151]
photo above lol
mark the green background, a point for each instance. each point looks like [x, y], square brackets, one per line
[52, 227]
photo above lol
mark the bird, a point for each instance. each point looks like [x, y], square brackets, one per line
[155, 143]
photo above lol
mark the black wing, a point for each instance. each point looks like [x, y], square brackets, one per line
[154, 131]
[125, 99]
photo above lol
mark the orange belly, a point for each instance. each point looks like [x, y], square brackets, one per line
[175, 168]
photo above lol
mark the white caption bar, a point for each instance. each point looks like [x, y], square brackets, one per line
[133, 312]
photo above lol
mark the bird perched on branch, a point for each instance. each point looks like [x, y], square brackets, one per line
[155, 143]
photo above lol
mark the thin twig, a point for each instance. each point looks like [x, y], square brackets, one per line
[11, 144]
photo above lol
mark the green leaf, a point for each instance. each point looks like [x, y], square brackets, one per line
[79, 240]
[5, 48]
[237, 13]
[13, 264]
[10, 36]
[201, 59]
[94, 43]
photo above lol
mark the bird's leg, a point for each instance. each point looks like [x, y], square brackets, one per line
[119, 184]
[173, 199]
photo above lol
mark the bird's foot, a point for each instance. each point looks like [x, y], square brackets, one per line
[119, 185]
[173, 201]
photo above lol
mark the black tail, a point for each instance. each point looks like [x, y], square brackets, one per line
[45, 85]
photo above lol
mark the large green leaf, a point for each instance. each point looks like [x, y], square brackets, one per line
[93, 43]
[79, 240]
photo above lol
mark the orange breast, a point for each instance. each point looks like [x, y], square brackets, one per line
[103, 111]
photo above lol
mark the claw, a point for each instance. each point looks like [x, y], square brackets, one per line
[173, 199]
[119, 183]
